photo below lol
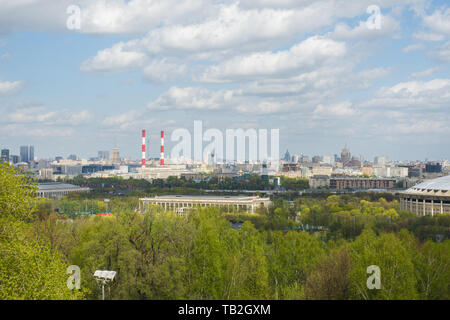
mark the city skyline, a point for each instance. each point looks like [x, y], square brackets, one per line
[323, 73]
[155, 154]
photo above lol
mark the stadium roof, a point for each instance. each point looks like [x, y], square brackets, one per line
[439, 187]
[442, 183]
[56, 186]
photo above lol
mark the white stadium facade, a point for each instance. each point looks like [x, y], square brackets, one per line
[427, 198]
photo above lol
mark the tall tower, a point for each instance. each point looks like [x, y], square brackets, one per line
[161, 161]
[143, 149]
[345, 155]
[115, 157]
[31, 154]
[24, 154]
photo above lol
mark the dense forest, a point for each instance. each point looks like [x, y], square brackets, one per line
[277, 253]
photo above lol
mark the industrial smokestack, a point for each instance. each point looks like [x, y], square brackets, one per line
[161, 161]
[143, 149]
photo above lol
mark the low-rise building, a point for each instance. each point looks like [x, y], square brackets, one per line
[56, 189]
[179, 203]
[344, 183]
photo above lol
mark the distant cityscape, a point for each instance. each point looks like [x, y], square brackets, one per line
[340, 171]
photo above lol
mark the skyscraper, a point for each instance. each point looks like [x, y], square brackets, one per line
[24, 154]
[287, 156]
[103, 155]
[31, 154]
[115, 157]
[5, 155]
[345, 155]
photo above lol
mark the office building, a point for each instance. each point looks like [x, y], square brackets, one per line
[5, 155]
[103, 155]
[433, 167]
[24, 154]
[31, 154]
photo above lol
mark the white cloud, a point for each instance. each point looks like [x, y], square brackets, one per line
[163, 71]
[14, 130]
[426, 94]
[425, 73]
[341, 109]
[429, 36]
[310, 53]
[265, 107]
[10, 87]
[413, 47]
[192, 98]
[114, 59]
[438, 22]
[388, 28]
[42, 116]
[441, 53]
[437, 26]
[5, 56]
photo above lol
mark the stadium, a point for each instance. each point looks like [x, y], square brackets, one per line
[428, 198]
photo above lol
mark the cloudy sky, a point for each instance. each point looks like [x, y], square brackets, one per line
[316, 70]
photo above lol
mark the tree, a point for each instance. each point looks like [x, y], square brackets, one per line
[28, 269]
[395, 262]
[330, 280]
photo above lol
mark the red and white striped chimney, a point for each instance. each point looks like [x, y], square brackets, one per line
[143, 149]
[161, 161]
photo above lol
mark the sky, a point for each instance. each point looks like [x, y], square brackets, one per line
[79, 76]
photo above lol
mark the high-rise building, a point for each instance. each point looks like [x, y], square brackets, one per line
[72, 157]
[380, 160]
[287, 156]
[103, 155]
[115, 157]
[345, 155]
[31, 154]
[15, 159]
[5, 155]
[24, 154]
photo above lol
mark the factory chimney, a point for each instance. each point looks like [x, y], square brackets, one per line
[161, 161]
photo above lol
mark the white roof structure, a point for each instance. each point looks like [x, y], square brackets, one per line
[442, 183]
[439, 187]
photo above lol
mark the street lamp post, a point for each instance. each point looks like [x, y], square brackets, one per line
[106, 201]
[105, 277]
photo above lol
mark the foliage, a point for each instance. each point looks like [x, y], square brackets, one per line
[199, 255]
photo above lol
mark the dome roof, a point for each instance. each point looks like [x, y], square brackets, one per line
[442, 183]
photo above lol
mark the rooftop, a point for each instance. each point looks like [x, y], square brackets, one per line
[56, 186]
[438, 187]
[442, 183]
[196, 197]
